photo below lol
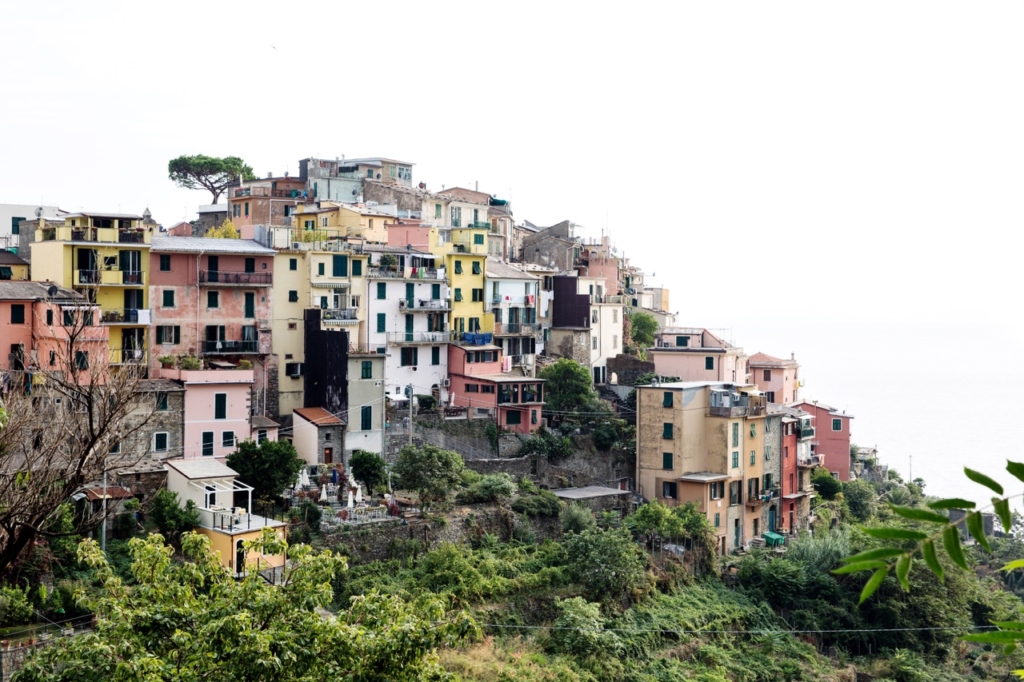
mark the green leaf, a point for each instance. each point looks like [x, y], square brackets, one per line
[976, 525]
[1009, 625]
[1013, 565]
[1002, 509]
[951, 541]
[984, 480]
[1015, 468]
[932, 559]
[915, 514]
[902, 570]
[859, 566]
[895, 533]
[873, 584]
[995, 637]
[951, 503]
[873, 555]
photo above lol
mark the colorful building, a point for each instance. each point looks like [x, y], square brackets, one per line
[695, 354]
[513, 295]
[267, 201]
[367, 386]
[778, 379]
[831, 444]
[795, 487]
[482, 382]
[12, 267]
[105, 257]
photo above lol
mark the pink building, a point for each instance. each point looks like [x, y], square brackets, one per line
[778, 379]
[482, 382]
[37, 319]
[212, 298]
[597, 260]
[831, 436]
[217, 415]
[404, 232]
[695, 354]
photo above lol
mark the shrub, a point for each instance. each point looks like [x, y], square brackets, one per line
[15, 608]
[170, 518]
[605, 436]
[189, 362]
[827, 485]
[606, 563]
[576, 519]
[490, 488]
[579, 629]
[543, 503]
[426, 402]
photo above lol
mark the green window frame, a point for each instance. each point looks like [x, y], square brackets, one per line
[478, 295]
[207, 443]
[767, 453]
[666, 460]
[212, 299]
[168, 298]
[366, 417]
[81, 359]
[718, 519]
[382, 291]
[321, 269]
[69, 318]
[293, 264]
[16, 225]
[837, 424]
[458, 267]
[514, 417]
[666, 430]
[367, 369]
[735, 434]
[220, 405]
[435, 355]
[227, 439]
[18, 313]
[666, 400]
[476, 267]
[709, 362]
[753, 430]
[682, 341]
[160, 442]
[293, 296]
[435, 292]
[357, 267]
[437, 212]
[339, 266]
[753, 457]
[735, 460]
[381, 322]
[165, 262]
[478, 239]
[458, 294]
[161, 402]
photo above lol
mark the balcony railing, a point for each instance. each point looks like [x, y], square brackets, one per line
[424, 304]
[230, 347]
[125, 316]
[265, 191]
[339, 314]
[228, 278]
[806, 432]
[513, 328]
[131, 277]
[479, 224]
[736, 411]
[809, 462]
[131, 237]
[110, 277]
[128, 356]
[406, 273]
[421, 337]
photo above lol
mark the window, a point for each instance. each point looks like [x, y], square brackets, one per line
[435, 355]
[366, 417]
[718, 490]
[161, 402]
[735, 492]
[53, 358]
[212, 299]
[666, 430]
[250, 265]
[615, 341]
[682, 341]
[668, 490]
[767, 375]
[435, 292]
[207, 443]
[474, 324]
[166, 333]
[456, 216]
[82, 359]
[367, 366]
[288, 211]
[718, 520]
[769, 396]
[666, 460]
[235, 211]
[16, 225]
[767, 482]
[293, 296]
[593, 342]
[666, 400]
[709, 362]
[69, 318]
[168, 298]
[339, 266]
[382, 291]
[472, 388]
[489, 388]
[767, 453]
[247, 209]
[220, 406]
[227, 439]
[49, 318]
[753, 430]
[160, 442]
[753, 458]
[18, 313]
[735, 460]
[437, 212]
[357, 268]
[594, 316]
[478, 295]
[293, 263]
[410, 357]
[458, 267]
[478, 239]
[514, 417]
[381, 322]
[615, 315]
[320, 269]
[261, 436]
[735, 435]
[458, 294]
[165, 262]
[533, 416]
[837, 424]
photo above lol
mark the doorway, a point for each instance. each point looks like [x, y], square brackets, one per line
[771, 518]
[328, 455]
[736, 534]
[239, 557]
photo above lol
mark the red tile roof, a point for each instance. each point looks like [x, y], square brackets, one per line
[318, 416]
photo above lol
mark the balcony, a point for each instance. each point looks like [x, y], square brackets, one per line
[339, 316]
[81, 233]
[133, 237]
[128, 356]
[736, 411]
[805, 432]
[125, 316]
[514, 395]
[436, 274]
[131, 278]
[421, 337]
[223, 278]
[514, 329]
[809, 462]
[424, 305]
[267, 192]
[225, 347]
[232, 521]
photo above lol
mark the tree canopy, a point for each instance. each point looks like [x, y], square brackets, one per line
[226, 230]
[269, 467]
[368, 468]
[568, 387]
[643, 328]
[430, 471]
[190, 620]
[208, 172]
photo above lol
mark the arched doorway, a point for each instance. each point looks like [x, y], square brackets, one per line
[771, 518]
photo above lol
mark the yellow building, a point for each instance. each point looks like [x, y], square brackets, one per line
[349, 221]
[105, 257]
[694, 444]
[465, 260]
[12, 268]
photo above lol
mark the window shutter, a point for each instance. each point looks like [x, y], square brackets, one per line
[666, 460]
[340, 266]
[667, 399]
[159, 334]
[381, 321]
[177, 334]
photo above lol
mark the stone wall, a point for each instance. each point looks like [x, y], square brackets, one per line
[145, 481]
[516, 468]
[628, 368]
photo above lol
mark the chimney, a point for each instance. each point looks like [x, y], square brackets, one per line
[269, 175]
[476, 185]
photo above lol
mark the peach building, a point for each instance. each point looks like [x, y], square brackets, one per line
[695, 354]
[779, 380]
[482, 382]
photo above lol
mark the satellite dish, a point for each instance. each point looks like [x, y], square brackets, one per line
[39, 212]
[355, 192]
[52, 290]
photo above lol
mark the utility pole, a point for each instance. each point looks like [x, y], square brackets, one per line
[410, 414]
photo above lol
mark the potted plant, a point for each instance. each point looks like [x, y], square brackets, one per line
[245, 364]
[189, 362]
[166, 361]
[388, 262]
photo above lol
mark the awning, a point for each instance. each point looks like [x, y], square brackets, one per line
[773, 539]
[6, 273]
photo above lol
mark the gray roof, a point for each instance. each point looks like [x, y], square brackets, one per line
[91, 214]
[588, 492]
[209, 245]
[703, 477]
[8, 258]
[30, 291]
[261, 422]
[159, 386]
[201, 468]
[388, 248]
[497, 269]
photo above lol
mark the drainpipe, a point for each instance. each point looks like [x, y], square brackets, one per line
[199, 295]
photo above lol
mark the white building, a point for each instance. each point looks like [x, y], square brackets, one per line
[513, 295]
[407, 310]
[12, 215]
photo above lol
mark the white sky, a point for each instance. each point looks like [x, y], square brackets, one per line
[779, 165]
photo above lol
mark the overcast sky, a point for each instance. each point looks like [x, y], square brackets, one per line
[867, 155]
